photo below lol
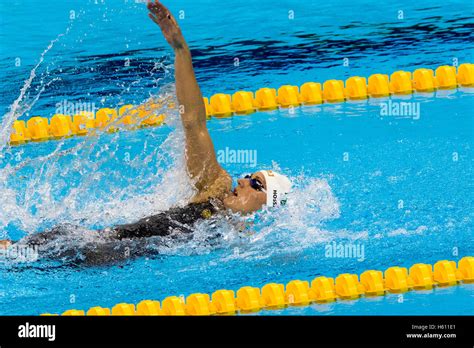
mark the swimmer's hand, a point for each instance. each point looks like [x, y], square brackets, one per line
[163, 17]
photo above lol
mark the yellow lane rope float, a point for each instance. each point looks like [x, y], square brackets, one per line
[244, 102]
[300, 292]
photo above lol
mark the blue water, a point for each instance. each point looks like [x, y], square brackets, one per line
[400, 187]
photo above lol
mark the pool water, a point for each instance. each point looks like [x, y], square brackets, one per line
[398, 188]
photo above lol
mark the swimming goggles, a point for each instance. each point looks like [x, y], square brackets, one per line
[255, 183]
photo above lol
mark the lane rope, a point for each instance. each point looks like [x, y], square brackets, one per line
[129, 117]
[322, 289]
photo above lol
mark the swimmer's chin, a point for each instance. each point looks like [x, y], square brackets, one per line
[244, 200]
[237, 204]
[231, 201]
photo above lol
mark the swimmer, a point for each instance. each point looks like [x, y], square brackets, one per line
[213, 184]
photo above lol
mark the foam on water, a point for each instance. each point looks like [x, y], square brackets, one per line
[76, 185]
[77, 181]
[20, 105]
[294, 227]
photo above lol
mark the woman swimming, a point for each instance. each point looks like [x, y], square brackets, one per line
[212, 182]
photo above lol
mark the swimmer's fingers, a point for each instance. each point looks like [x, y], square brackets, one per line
[156, 13]
[158, 9]
[160, 14]
[167, 23]
[154, 19]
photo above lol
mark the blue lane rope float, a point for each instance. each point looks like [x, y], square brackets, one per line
[244, 102]
[300, 292]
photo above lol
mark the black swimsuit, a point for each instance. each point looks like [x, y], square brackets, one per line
[123, 241]
[179, 219]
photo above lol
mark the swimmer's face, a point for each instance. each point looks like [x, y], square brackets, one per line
[248, 197]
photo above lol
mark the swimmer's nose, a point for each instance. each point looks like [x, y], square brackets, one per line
[243, 182]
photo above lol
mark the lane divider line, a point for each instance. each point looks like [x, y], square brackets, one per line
[300, 292]
[129, 117]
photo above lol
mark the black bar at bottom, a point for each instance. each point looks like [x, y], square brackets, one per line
[380, 330]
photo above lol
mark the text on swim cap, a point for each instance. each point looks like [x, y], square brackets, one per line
[275, 196]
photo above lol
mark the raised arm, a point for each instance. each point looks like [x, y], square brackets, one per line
[209, 177]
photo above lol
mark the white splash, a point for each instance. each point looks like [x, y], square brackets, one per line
[18, 108]
[295, 227]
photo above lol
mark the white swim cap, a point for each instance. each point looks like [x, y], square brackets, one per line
[278, 186]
